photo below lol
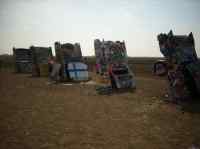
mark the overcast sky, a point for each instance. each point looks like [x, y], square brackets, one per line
[42, 22]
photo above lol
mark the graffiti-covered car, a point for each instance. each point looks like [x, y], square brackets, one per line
[111, 60]
[181, 64]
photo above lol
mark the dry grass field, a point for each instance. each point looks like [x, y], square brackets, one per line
[34, 114]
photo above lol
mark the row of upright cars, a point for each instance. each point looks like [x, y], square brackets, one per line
[111, 61]
[180, 63]
[36, 60]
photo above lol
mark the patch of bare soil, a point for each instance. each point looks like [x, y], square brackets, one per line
[34, 114]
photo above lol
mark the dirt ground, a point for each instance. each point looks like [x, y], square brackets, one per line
[34, 114]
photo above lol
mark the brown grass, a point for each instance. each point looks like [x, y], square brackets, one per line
[36, 115]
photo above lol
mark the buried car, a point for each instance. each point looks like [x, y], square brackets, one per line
[71, 60]
[112, 61]
[181, 65]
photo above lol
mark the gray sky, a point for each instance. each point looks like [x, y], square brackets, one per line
[42, 22]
